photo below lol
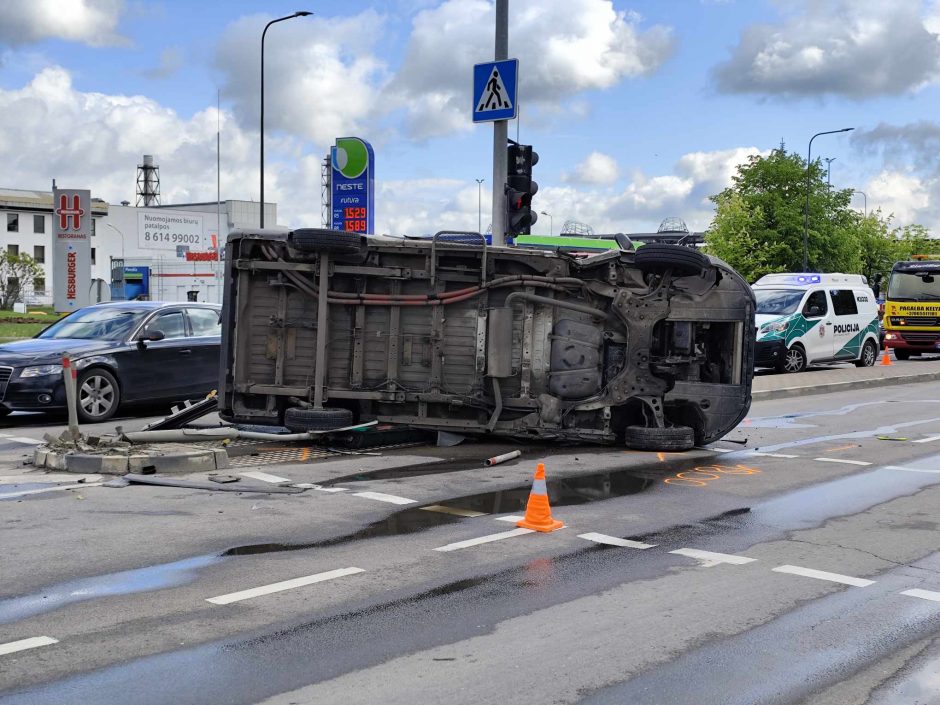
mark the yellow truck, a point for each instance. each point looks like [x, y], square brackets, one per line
[912, 307]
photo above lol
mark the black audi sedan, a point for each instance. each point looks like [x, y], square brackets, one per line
[123, 352]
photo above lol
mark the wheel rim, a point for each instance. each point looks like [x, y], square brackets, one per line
[869, 355]
[96, 397]
[794, 360]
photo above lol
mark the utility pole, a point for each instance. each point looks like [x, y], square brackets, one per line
[500, 132]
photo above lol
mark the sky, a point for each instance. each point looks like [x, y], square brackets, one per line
[639, 110]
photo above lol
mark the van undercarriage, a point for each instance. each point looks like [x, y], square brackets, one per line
[652, 348]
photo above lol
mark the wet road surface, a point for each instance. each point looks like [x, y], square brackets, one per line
[771, 572]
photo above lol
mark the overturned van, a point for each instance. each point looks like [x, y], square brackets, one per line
[652, 348]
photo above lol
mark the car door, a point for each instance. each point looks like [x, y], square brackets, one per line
[205, 325]
[846, 328]
[158, 369]
[817, 341]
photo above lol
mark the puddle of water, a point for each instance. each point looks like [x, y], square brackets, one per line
[23, 486]
[561, 493]
[917, 684]
[126, 582]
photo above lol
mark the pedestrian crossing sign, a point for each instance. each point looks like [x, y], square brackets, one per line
[494, 90]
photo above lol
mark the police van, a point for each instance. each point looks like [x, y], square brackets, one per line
[807, 318]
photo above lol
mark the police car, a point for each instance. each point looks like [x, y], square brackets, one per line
[807, 318]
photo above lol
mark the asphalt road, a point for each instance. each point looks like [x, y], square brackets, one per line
[799, 566]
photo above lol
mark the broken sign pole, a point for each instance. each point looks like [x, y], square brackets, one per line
[70, 375]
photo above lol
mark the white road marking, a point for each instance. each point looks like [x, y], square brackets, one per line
[774, 455]
[12, 647]
[23, 493]
[901, 467]
[929, 439]
[382, 497]
[320, 488]
[842, 460]
[483, 539]
[722, 450]
[455, 511]
[283, 585]
[265, 477]
[823, 575]
[615, 541]
[710, 559]
[923, 594]
[24, 439]
[512, 517]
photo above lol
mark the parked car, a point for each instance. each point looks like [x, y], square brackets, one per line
[124, 352]
[652, 348]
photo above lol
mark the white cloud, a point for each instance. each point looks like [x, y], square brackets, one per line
[597, 168]
[322, 78]
[92, 22]
[906, 196]
[852, 48]
[564, 47]
[171, 61]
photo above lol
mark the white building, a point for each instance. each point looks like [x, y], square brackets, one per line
[180, 246]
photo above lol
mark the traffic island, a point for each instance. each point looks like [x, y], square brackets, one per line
[177, 458]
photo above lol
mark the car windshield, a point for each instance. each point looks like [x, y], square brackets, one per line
[777, 301]
[914, 286]
[96, 324]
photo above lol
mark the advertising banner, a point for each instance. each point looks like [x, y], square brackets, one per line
[353, 186]
[71, 249]
[170, 231]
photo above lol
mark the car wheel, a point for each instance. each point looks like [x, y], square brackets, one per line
[902, 354]
[301, 420]
[319, 240]
[657, 257]
[5, 412]
[98, 395]
[868, 356]
[794, 360]
[669, 438]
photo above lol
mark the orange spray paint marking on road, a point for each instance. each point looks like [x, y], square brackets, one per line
[703, 474]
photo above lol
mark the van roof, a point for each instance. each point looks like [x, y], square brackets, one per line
[804, 279]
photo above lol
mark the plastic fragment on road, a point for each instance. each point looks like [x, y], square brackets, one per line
[497, 459]
[892, 438]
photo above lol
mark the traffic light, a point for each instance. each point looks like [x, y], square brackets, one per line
[520, 188]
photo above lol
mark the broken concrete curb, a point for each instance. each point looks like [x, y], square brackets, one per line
[201, 460]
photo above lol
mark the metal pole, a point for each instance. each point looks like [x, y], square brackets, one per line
[864, 196]
[809, 162]
[500, 132]
[70, 377]
[301, 13]
[480, 204]
[829, 161]
[551, 223]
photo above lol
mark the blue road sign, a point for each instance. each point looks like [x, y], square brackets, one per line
[494, 90]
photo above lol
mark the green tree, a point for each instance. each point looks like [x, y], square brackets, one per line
[17, 273]
[772, 191]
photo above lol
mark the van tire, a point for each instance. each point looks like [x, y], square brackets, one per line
[659, 439]
[868, 355]
[320, 240]
[301, 420]
[657, 257]
[794, 360]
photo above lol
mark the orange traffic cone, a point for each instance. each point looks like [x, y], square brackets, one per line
[538, 513]
[886, 357]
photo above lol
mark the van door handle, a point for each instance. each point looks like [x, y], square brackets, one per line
[186, 352]
[828, 323]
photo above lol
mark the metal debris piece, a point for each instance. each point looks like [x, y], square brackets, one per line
[223, 478]
[196, 485]
[497, 459]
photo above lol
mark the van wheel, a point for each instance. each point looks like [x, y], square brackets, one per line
[657, 257]
[868, 356]
[794, 360]
[900, 354]
[302, 420]
[320, 240]
[669, 438]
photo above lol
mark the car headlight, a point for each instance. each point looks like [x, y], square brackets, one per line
[777, 327]
[41, 371]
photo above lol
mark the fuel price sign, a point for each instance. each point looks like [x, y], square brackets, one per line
[353, 181]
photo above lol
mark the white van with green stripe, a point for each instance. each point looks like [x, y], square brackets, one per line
[807, 318]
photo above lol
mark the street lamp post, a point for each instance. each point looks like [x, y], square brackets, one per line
[829, 161]
[866, 200]
[809, 161]
[551, 221]
[300, 13]
[122, 237]
[480, 205]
